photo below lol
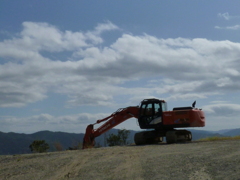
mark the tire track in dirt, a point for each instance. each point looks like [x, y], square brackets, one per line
[132, 163]
[73, 162]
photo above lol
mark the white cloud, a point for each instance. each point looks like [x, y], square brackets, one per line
[107, 26]
[235, 27]
[38, 37]
[189, 96]
[226, 16]
[221, 108]
[31, 124]
[189, 68]
[222, 115]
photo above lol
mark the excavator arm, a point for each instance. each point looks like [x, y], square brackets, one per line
[113, 120]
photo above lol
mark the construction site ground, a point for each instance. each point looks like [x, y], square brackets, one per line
[193, 161]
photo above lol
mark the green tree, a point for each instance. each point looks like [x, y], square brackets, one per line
[123, 135]
[119, 139]
[113, 140]
[39, 146]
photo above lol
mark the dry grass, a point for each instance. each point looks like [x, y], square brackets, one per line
[215, 138]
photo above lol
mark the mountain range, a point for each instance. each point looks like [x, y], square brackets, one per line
[17, 143]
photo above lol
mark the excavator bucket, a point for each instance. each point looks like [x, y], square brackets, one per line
[88, 140]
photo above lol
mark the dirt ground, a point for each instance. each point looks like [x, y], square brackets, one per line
[193, 161]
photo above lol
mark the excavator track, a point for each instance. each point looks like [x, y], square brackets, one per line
[178, 136]
[153, 137]
[147, 137]
[140, 139]
[171, 137]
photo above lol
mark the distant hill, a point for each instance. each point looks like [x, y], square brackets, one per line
[232, 132]
[16, 143]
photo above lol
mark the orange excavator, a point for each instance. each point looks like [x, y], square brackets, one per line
[151, 114]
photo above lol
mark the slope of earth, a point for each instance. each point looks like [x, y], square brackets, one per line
[195, 160]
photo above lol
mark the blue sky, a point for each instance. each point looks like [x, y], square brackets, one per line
[66, 64]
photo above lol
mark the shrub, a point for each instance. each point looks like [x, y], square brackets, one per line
[76, 146]
[58, 146]
[119, 139]
[39, 146]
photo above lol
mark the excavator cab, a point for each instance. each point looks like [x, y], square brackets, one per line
[150, 114]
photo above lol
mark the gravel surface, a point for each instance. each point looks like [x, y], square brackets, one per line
[193, 161]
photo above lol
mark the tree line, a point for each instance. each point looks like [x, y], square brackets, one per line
[119, 139]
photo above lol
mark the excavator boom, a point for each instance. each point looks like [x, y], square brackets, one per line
[111, 121]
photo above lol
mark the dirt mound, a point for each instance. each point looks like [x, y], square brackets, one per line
[195, 160]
